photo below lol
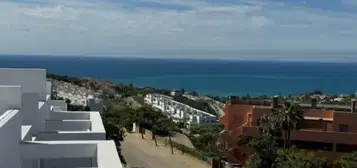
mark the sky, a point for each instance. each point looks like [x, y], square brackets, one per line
[202, 29]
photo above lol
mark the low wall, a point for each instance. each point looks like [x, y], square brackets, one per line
[54, 135]
[60, 103]
[78, 125]
[69, 116]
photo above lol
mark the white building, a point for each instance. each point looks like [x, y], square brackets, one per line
[94, 104]
[179, 111]
[37, 132]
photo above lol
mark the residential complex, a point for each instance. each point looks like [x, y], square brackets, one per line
[37, 132]
[327, 130]
[179, 111]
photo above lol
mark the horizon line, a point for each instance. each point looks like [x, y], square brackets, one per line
[343, 61]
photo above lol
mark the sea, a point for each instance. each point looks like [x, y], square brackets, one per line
[207, 77]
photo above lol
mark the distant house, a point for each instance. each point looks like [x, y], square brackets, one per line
[177, 93]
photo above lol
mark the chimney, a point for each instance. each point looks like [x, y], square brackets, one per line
[275, 102]
[353, 105]
[313, 102]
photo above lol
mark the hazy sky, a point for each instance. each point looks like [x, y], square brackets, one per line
[234, 29]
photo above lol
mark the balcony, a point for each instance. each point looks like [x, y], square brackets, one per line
[65, 115]
[311, 135]
[72, 126]
[100, 154]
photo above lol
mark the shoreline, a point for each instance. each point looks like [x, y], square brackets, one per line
[125, 89]
[207, 78]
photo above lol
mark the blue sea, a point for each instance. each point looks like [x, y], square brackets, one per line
[211, 77]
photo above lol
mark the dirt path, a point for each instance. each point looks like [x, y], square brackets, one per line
[144, 154]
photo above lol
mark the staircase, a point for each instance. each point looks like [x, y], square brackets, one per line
[233, 154]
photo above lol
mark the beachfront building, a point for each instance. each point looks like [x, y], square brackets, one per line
[37, 132]
[179, 111]
[327, 130]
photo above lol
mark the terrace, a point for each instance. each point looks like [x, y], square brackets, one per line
[36, 131]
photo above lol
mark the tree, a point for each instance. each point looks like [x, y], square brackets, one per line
[141, 118]
[168, 125]
[68, 102]
[348, 160]
[114, 132]
[280, 122]
[253, 162]
[290, 115]
[295, 158]
[155, 119]
[265, 153]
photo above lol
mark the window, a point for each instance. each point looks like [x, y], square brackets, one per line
[343, 128]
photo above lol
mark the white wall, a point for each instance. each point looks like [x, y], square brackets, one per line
[26, 134]
[61, 103]
[31, 80]
[97, 124]
[68, 162]
[78, 125]
[107, 155]
[10, 97]
[60, 136]
[95, 104]
[72, 149]
[10, 137]
[30, 110]
[48, 86]
[69, 115]
[41, 117]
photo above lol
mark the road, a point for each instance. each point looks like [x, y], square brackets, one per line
[141, 153]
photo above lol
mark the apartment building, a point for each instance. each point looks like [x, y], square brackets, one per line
[179, 111]
[37, 132]
[327, 130]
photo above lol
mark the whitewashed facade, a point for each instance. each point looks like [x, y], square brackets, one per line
[179, 111]
[37, 132]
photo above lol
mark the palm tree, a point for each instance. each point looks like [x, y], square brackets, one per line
[279, 123]
[282, 121]
[291, 116]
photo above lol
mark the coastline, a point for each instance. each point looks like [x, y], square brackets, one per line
[220, 78]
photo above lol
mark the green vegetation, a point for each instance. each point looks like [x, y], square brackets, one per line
[295, 158]
[348, 160]
[204, 138]
[279, 124]
[65, 78]
[193, 152]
